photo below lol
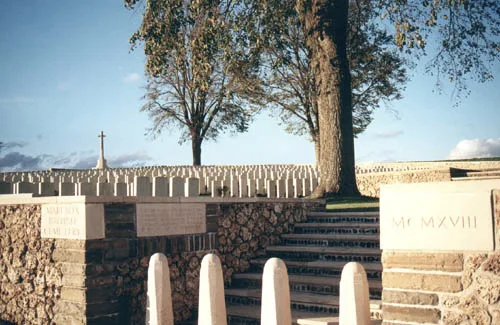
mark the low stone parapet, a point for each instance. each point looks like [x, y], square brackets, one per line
[84, 259]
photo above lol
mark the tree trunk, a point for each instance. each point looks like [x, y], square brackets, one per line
[196, 148]
[317, 149]
[325, 23]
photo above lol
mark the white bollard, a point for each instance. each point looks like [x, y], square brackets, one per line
[354, 296]
[211, 303]
[275, 308]
[159, 309]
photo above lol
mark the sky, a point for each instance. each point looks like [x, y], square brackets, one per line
[67, 72]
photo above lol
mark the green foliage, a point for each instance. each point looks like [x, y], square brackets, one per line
[463, 36]
[199, 67]
[378, 73]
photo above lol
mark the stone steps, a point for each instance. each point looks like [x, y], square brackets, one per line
[319, 268]
[241, 314]
[343, 217]
[476, 175]
[314, 254]
[323, 286]
[332, 240]
[336, 228]
[322, 253]
[474, 178]
[495, 173]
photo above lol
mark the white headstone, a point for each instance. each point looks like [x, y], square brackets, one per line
[104, 189]
[354, 296]
[142, 186]
[297, 184]
[271, 188]
[176, 187]
[251, 187]
[280, 188]
[67, 189]
[87, 189]
[120, 189]
[275, 308]
[5, 188]
[192, 187]
[24, 187]
[160, 186]
[211, 305]
[243, 186]
[159, 306]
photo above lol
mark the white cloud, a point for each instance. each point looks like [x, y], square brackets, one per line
[389, 134]
[476, 148]
[131, 78]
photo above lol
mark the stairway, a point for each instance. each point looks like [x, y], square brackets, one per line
[315, 254]
[474, 175]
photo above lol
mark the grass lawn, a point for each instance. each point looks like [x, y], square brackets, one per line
[346, 203]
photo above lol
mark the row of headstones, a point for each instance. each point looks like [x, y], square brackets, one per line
[116, 175]
[276, 309]
[171, 187]
[141, 186]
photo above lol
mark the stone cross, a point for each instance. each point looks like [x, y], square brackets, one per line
[101, 163]
[101, 135]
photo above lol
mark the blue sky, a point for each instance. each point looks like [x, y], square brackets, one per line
[66, 73]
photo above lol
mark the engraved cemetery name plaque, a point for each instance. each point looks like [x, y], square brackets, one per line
[160, 219]
[72, 221]
[437, 216]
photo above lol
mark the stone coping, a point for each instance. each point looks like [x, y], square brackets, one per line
[7, 199]
[479, 184]
[443, 170]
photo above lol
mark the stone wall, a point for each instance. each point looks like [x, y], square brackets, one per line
[30, 280]
[369, 184]
[103, 281]
[443, 287]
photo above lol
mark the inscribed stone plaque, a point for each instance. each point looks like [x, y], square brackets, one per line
[73, 221]
[160, 219]
[436, 217]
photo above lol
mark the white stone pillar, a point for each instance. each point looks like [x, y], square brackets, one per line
[211, 304]
[159, 307]
[354, 296]
[275, 308]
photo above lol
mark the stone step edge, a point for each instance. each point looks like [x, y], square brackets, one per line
[324, 250]
[253, 312]
[306, 318]
[492, 172]
[298, 297]
[329, 321]
[337, 225]
[320, 264]
[343, 237]
[343, 214]
[474, 178]
[306, 279]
